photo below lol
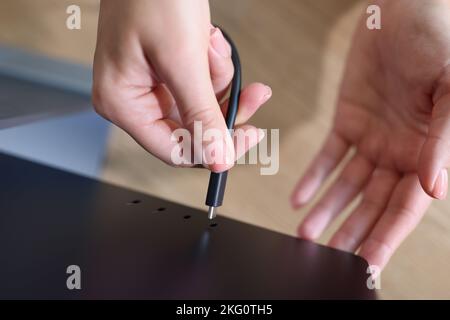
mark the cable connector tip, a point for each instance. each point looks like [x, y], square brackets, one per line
[211, 213]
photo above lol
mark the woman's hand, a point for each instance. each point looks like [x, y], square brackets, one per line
[160, 66]
[394, 113]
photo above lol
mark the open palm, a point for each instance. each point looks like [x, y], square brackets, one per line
[393, 115]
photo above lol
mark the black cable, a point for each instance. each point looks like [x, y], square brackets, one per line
[218, 181]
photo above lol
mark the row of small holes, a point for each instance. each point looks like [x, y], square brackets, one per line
[134, 202]
[139, 201]
[186, 217]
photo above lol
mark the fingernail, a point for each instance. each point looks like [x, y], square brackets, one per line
[219, 44]
[302, 197]
[440, 185]
[298, 203]
[267, 95]
[308, 231]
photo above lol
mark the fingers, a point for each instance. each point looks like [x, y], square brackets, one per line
[347, 186]
[435, 155]
[221, 69]
[189, 70]
[404, 211]
[220, 63]
[186, 73]
[333, 151]
[375, 199]
[246, 137]
[158, 139]
[252, 98]
[144, 118]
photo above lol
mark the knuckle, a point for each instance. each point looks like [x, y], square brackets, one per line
[185, 54]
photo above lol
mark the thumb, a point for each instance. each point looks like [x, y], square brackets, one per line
[187, 76]
[435, 154]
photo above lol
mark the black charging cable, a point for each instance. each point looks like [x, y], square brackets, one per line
[218, 181]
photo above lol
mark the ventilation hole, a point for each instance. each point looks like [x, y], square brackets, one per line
[186, 217]
[134, 202]
[213, 225]
[160, 209]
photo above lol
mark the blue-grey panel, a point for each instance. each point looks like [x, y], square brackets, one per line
[23, 101]
[33, 87]
[74, 143]
[45, 70]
